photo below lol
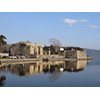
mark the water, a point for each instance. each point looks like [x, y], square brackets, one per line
[51, 74]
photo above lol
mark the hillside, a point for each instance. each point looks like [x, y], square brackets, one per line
[93, 53]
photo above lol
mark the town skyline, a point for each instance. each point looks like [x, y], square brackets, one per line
[70, 28]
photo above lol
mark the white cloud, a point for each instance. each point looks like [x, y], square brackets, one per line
[94, 26]
[83, 20]
[71, 21]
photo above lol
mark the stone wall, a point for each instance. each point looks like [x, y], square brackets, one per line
[50, 56]
[4, 54]
[70, 54]
[81, 54]
[75, 54]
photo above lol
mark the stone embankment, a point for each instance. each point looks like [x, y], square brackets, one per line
[9, 61]
[32, 60]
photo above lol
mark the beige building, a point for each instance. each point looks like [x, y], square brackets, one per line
[4, 54]
[76, 54]
[37, 51]
[26, 49]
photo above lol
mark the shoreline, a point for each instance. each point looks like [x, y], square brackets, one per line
[30, 60]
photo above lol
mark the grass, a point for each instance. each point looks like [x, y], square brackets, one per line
[4, 58]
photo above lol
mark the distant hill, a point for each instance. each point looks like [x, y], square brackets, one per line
[93, 53]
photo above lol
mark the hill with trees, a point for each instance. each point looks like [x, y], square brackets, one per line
[93, 53]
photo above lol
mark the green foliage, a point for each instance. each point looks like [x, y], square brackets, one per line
[74, 48]
[13, 45]
[52, 52]
[4, 58]
[56, 52]
[2, 41]
[47, 48]
[22, 44]
[2, 37]
[52, 48]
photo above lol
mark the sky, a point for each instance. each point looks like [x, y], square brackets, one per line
[81, 29]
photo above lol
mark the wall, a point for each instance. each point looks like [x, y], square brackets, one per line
[75, 54]
[29, 49]
[50, 56]
[70, 54]
[81, 54]
[4, 54]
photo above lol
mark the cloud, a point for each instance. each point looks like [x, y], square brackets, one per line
[83, 20]
[94, 26]
[71, 21]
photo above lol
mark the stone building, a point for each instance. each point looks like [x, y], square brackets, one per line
[4, 54]
[39, 51]
[76, 54]
[26, 49]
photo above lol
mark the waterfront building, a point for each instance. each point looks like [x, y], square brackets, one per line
[26, 49]
[30, 50]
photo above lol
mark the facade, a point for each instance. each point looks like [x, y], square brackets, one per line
[76, 54]
[26, 49]
[39, 51]
[4, 54]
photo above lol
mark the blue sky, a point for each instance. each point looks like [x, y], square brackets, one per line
[80, 29]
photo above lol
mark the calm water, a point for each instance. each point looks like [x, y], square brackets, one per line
[51, 74]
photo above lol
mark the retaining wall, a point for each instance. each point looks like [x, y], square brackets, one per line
[4, 54]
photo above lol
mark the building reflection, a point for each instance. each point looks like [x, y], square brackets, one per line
[75, 66]
[2, 81]
[54, 68]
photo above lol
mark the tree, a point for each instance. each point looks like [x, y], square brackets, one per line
[6, 48]
[22, 45]
[28, 41]
[56, 43]
[2, 41]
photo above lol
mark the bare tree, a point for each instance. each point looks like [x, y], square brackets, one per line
[56, 43]
[28, 41]
[6, 48]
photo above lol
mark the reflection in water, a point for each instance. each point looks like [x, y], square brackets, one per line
[75, 66]
[55, 73]
[2, 81]
[55, 68]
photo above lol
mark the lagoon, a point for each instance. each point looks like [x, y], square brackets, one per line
[80, 73]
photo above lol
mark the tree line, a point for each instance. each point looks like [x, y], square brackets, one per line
[5, 47]
[54, 47]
